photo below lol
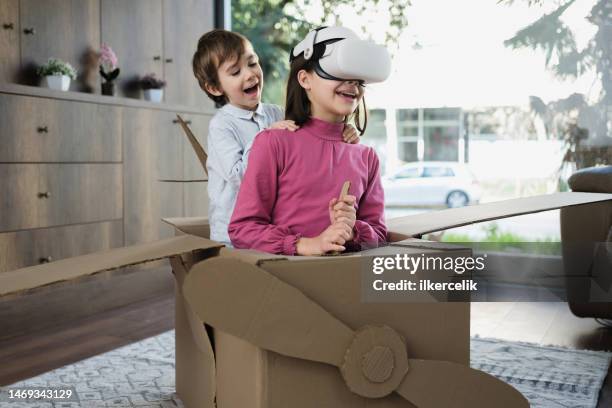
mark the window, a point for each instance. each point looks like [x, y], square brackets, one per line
[438, 172]
[412, 172]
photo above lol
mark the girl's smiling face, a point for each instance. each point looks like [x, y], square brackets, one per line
[330, 100]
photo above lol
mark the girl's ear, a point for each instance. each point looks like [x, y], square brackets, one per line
[213, 90]
[304, 79]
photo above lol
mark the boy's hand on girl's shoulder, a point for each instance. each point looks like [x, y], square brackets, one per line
[350, 134]
[285, 124]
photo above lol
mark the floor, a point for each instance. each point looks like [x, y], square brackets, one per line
[27, 356]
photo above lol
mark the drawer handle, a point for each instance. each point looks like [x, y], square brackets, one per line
[42, 129]
[169, 60]
[45, 259]
[175, 121]
[8, 26]
[46, 194]
[157, 58]
[30, 31]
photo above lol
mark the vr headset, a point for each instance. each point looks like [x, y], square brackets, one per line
[339, 54]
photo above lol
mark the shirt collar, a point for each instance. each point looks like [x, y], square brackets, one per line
[242, 113]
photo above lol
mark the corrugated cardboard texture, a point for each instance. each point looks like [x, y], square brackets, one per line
[415, 225]
[66, 269]
[437, 331]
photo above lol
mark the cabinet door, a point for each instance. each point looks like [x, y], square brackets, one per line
[133, 29]
[9, 40]
[150, 154]
[31, 247]
[47, 130]
[65, 29]
[45, 195]
[184, 23]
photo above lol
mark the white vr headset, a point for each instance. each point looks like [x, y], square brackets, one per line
[340, 55]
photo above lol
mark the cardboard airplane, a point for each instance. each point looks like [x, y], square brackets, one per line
[295, 332]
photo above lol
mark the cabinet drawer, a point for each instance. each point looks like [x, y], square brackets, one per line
[27, 248]
[44, 195]
[49, 130]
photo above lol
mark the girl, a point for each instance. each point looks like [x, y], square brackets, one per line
[285, 204]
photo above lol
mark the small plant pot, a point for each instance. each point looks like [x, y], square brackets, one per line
[108, 88]
[57, 82]
[154, 95]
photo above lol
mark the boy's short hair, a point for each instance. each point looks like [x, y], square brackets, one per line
[214, 48]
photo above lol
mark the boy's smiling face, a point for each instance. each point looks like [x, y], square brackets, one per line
[241, 80]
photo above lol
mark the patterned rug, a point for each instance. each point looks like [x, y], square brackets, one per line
[142, 375]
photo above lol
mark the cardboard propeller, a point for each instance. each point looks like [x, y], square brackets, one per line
[250, 303]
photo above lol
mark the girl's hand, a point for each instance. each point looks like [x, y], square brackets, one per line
[350, 134]
[343, 211]
[285, 124]
[332, 239]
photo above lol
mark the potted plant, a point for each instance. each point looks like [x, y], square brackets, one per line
[57, 74]
[153, 87]
[108, 69]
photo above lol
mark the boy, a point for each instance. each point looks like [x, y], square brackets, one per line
[228, 70]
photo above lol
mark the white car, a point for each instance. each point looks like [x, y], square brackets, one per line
[432, 183]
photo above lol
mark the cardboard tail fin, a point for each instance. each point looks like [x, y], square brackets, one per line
[248, 302]
[197, 147]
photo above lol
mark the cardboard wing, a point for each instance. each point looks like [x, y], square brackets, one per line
[417, 225]
[66, 269]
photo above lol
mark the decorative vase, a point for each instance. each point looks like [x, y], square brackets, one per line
[57, 82]
[154, 95]
[108, 88]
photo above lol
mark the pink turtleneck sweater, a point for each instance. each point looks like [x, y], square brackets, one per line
[289, 181]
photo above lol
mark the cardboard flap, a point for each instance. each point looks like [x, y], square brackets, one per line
[66, 269]
[252, 256]
[198, 226]
[416, 225]
[197, 147]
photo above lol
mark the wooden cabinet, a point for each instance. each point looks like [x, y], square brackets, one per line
[43, 195]
[30, 247]
[65, 29]
[184, 23]
[133, 29]
[9, 40]
[47, 130]
[150, 154]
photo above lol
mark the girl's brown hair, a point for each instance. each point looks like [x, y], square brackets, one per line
[297, 104]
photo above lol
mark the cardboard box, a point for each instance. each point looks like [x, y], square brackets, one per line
[293, 331]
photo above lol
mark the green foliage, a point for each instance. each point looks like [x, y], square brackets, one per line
[573, 119]
[56, 66]
[275, 26]
[498, 240]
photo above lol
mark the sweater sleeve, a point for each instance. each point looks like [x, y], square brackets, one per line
[251, 223]
[370, 230]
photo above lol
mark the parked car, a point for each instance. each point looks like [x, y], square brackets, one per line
[432, 183]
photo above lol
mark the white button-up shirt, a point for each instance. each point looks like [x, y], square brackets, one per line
[230, 136]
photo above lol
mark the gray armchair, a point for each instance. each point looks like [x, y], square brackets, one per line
[580, 227]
